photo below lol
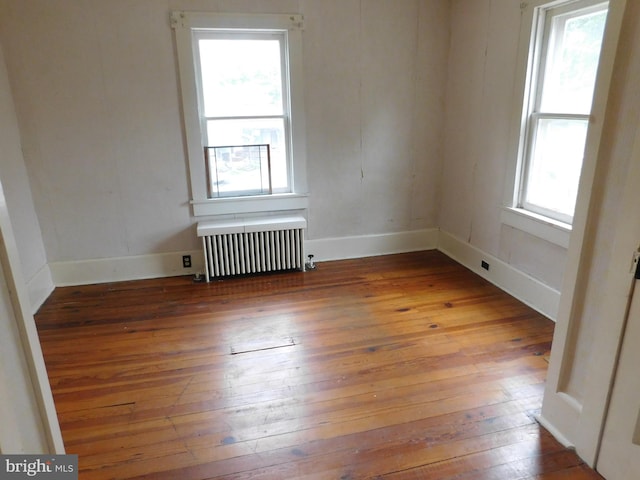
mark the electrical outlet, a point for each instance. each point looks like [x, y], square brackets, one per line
[186, 261]
[484, 265]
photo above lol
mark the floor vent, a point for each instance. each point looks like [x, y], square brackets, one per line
[256, 245]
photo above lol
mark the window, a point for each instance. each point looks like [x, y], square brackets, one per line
[241, 89]
[564, 55]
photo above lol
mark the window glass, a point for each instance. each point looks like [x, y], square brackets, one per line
[572, 62]
[241, 77]
[555, 164]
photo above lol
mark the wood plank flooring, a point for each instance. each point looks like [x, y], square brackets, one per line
[395, 367]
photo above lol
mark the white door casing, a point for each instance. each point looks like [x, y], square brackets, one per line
[27, 411]
[619, 457]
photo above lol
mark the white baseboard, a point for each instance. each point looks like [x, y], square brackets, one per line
[40, 287]
[527, 289]
[86, 272]
[325, 249]
[532, 292]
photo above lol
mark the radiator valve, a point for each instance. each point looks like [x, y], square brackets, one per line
[310, 265]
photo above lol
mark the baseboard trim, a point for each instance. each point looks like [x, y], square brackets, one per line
[39, 287]
[137, 267]
[532, 292]
[86, 272]
[342, 248]
[527, 289]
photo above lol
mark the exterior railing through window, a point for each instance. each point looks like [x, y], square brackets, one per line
[238, 170]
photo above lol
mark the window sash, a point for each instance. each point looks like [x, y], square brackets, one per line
[552, 31]
[548, 191]
[231, 35]
[282, 165]
[544, 35]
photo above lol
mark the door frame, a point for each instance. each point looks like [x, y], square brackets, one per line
[30, 343]
[581, 424]
[627, 241]
[577, 418]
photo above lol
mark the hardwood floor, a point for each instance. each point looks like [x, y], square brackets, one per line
[396, 367]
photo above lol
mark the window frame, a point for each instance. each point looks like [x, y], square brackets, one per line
[513, 215]
[541, 38]
[185, 24]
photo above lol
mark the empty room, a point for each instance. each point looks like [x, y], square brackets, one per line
[320, 239]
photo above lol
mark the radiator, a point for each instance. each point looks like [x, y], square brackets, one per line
[257, 245]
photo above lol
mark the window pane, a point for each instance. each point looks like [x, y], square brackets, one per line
[556, 160]
[271, 131]
[241, 77]
[572, 62]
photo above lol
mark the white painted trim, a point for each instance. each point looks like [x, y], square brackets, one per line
[532, 292]
[247, 225]
[540, 226]
[203, 20]
[281, 202]
[85, 272]
[584, 429]
[137, 267]
[40, 287]
[566, 443]
[521, 89]
[527, 289]
[561, 413]
[25, 324]
[372, 245]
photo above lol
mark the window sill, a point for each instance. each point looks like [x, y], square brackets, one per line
[540, 226]
[239, 205]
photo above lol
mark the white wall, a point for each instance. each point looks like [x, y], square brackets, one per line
[375, 77]
[96, 92]
[13, 175]
[478, 124]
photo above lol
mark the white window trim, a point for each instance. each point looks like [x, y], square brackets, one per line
[538, 225]
[183, 23]
[519, 218]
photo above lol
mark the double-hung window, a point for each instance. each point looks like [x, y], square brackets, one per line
[563, 61]
[242, 97]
